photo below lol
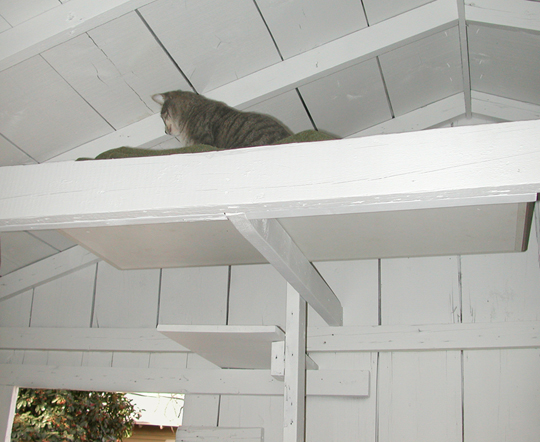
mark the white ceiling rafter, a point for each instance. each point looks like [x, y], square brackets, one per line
[521, 14]
[289, 74]
[503, 108]
[58, 25]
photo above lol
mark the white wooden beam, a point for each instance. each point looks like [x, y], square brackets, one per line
[503, 108]
[214, 434]
[464, 48]
[521, 14]
[275, 244]
[87, 339]
[419, 119]
[294, 396]
[8, 402]
[57, 25]
[458, 166]
[296, 71]
[353, 383]
[46, 270]
[425, 337]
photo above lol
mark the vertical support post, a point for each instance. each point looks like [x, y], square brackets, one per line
[295, 368]
[8, 401]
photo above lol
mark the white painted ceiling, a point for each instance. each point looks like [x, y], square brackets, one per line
[76, 76]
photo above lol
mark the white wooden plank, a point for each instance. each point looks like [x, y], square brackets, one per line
[126, 298]
[280, 250]
[122, 376]
[4, 25]
[194, 296]
[54, 239]
[420, 396]
[357, 91]
[18, 12]
[15, 311]
[418, 119]
[378, 11]
[227, 346]
[494, 51]
[11, 155]
[87, 339]
[45, 270]
[339, 54]
[201, 410]
[424, 71]
[58, 25]
[8, 403]
[420, 291]
[287, 108]
[168, 360]
[464, 49]
[501, 395]
[356, 284]
[232, 40]
[300, 26]
[168, 245]
[294, 397]
[282, 77]
[196, 434]
[19, 249]
[500, 288]
[257, 296]
[116, 68]
[75, 121]
[337, 418]
[519, 14]
[460, 166]
[65, 358]
[65, 302]
[424, 337]
[503, 108]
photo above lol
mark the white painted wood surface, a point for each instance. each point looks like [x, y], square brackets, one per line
[221, 434]
[273, 242]
[378, 11]
[412, 85]
[419, 396]
[19, 249]
[504, 108]
[294, 396]
[514, 14]
[228, 346]
[57, 25]
[458, 166]
[8, 402]
[46, 270]
[501, 395]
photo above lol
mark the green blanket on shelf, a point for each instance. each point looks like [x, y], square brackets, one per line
[131, 152]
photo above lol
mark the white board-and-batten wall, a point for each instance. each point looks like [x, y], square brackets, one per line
[417, 391]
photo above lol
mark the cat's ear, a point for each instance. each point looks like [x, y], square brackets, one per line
[159, 98]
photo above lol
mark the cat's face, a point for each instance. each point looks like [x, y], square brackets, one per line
[171, 125]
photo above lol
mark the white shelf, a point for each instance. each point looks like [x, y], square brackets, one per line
[228, 346]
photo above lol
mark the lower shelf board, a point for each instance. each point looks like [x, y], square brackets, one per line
[228, 346]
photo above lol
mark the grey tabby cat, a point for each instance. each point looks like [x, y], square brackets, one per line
[194, 119]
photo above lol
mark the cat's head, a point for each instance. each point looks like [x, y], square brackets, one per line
[168, 113]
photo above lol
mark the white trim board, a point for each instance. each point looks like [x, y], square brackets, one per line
[520, 14]
[193, 381]
[488, 164]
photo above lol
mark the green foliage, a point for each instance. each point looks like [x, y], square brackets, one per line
[63, 415]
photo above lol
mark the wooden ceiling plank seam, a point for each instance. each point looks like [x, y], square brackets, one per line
[46, 270]
[428, 116]
[58, 25]
[455, 166]
[289, 74]
[503, 108]
[339, 54]
[464, 47]
[518, 14]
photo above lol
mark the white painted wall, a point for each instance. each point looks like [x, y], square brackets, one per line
[449, 396]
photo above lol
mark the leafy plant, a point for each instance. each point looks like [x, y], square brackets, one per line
[64, 415]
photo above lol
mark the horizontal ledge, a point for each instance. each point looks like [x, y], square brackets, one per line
[186, 381]
[319, 339]
[424, 337]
